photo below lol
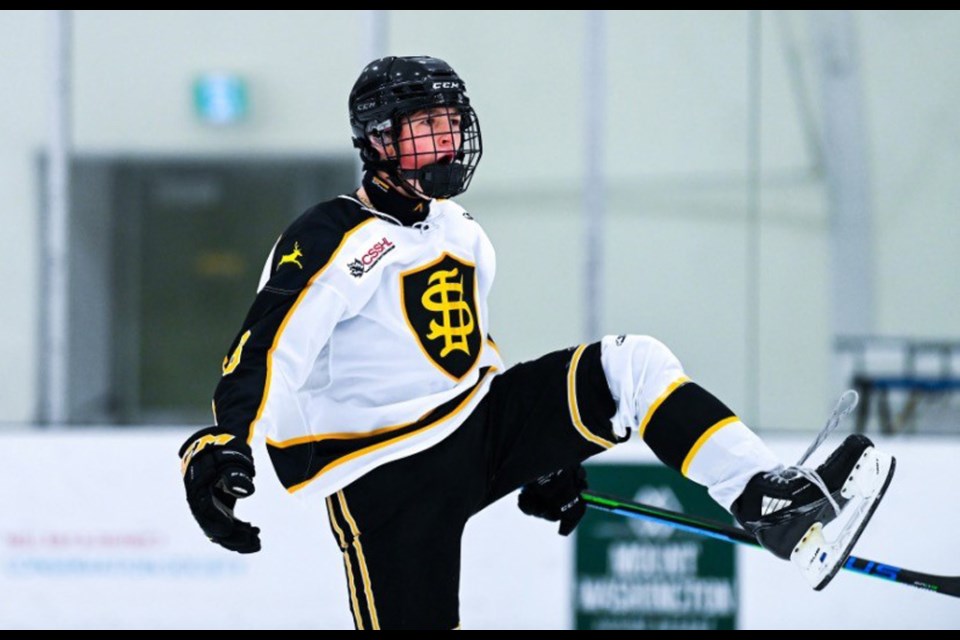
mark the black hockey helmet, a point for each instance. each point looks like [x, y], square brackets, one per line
[391, 87]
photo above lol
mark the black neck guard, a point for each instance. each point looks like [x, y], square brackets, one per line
[387, 199]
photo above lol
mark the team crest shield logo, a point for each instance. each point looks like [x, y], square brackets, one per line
[439, 301]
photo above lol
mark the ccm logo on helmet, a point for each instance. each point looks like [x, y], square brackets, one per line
[446, 85]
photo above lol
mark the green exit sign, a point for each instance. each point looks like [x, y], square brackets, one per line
[220, 98]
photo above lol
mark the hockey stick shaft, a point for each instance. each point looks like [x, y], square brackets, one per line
[947, 585]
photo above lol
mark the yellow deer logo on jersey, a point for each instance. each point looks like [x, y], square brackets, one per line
[293, 257]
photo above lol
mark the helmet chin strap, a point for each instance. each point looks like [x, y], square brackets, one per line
[384, 195]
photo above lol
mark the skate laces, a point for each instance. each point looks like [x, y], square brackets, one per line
[846, 404]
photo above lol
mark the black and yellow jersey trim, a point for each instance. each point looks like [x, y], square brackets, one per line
[302, 460]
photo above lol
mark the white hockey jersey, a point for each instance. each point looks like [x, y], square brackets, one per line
[367, 342]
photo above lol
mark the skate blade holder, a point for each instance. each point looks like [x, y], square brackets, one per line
[818, 558]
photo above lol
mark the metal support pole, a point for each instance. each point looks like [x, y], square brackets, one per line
[594, 188]
[847, 170]
[754, 169]
[55, 390]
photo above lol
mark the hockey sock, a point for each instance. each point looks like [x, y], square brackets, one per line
[696, 434]
[685, 425]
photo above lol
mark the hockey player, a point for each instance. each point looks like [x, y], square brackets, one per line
[367, 363]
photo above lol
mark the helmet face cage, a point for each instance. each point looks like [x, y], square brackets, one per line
[426, 134]
[431, 152]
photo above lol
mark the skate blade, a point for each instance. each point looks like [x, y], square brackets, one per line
[820, 559]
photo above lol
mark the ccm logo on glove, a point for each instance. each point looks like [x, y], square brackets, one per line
[198, 445]
[218, 469]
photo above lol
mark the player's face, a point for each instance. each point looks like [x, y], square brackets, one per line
[429, 136]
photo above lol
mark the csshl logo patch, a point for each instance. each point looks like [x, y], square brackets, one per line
[370, 258]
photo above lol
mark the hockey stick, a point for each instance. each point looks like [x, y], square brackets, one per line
[947, 585]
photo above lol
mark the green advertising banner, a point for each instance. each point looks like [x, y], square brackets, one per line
[634, 574]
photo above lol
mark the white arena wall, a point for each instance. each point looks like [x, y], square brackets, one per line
[95, 533]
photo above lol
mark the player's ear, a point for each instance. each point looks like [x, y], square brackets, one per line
[382, 144]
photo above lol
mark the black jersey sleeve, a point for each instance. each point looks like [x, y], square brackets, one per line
[299, 258]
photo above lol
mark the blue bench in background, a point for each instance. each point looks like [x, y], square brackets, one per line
[876, 387]
[879, 387]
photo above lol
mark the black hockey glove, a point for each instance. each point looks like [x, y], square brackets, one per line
[556, 496]
[217, 469]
